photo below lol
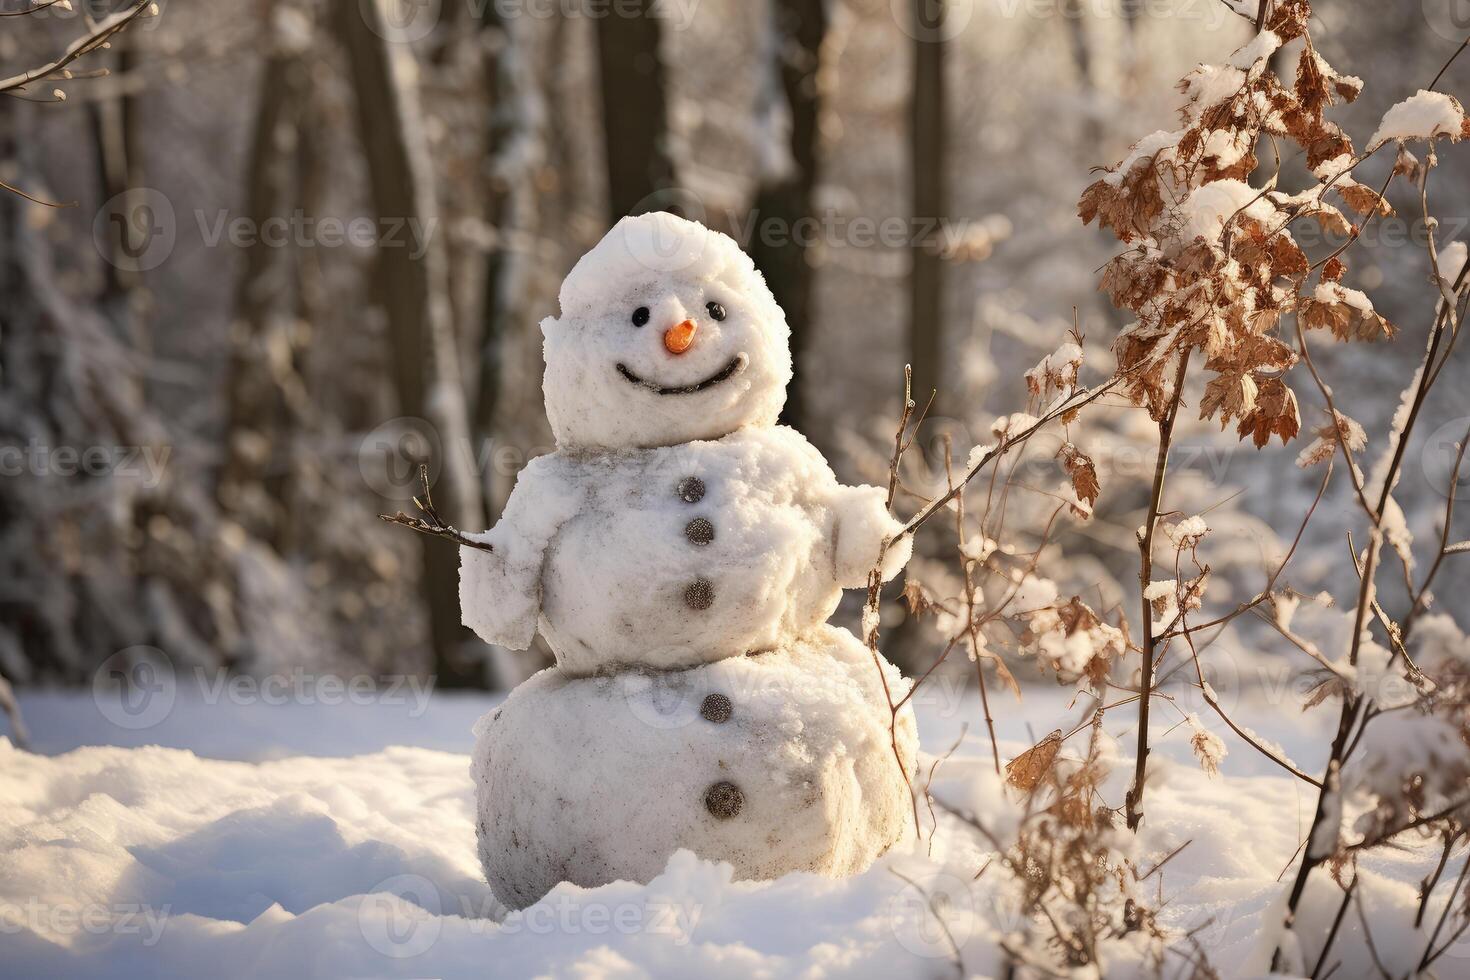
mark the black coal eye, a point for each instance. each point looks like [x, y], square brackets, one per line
[640, 316]
[716, 311]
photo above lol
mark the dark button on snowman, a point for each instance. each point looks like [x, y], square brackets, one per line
[681, 553]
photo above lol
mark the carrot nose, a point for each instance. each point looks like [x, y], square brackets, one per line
[678, 338]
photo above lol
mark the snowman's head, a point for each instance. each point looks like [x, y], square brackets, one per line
[667, 334]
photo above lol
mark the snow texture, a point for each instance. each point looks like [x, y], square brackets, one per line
[1421, 116]
[1203, 213]
[155, 862]
[673, 268]
[598, 546]
[597, 779]
[1262, 46]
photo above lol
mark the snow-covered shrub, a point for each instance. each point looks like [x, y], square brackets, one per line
[1224, 290]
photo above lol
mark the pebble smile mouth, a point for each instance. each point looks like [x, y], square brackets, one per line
[736, 365]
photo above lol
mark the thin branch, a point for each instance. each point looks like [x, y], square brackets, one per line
[1270, 579]
[433, 525]
[1421, 599]
[1134, 799]
[100, 35]
[1071, 404]
[1347, 897]
[1449, 903]
[29, 10]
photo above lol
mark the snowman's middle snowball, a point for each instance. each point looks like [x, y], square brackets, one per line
[673, 557]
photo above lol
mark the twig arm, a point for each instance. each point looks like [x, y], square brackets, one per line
[431, 523]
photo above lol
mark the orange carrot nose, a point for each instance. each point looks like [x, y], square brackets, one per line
[678, 339]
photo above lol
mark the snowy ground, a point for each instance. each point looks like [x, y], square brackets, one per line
[304, 839]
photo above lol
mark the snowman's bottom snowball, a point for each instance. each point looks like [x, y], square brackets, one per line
[777, 762]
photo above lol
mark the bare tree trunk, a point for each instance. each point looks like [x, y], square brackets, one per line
[115, 133]
[927, 141]
[784, 198]
[635, 110]
[559, 96]
[414, 294]
[513, 153]
[265, 393]
[1074, 12]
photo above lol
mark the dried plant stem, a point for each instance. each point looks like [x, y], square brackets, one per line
[1076, 401]
[1347, 898]
[972, 626]
[1421, 598]
[1430, 955]
[1244, 735]
[1426, 888]
[1134, 799]
[1354, 707]
[902, 439]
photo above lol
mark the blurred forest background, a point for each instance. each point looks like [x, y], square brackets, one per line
[305, 243]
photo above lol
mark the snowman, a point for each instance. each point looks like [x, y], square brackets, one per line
[681, 552]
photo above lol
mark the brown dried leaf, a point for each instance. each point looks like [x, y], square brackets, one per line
[1288, 19]
[1027, 770]
[1080, 468]
[1362, 198]
[1129, 208]
[1328, 142]
[1006, 678]
[1406, 165]
[1229, 396]
[1346, 313]
[1287, 258]
[1311, 84]
[1275, 413]
[917, 597]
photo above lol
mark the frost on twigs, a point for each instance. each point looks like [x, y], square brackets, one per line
[1186, 533]
[1341, 431]
[1056, 372]
[1072, 640]
[1413, 769]
[1208, 747]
